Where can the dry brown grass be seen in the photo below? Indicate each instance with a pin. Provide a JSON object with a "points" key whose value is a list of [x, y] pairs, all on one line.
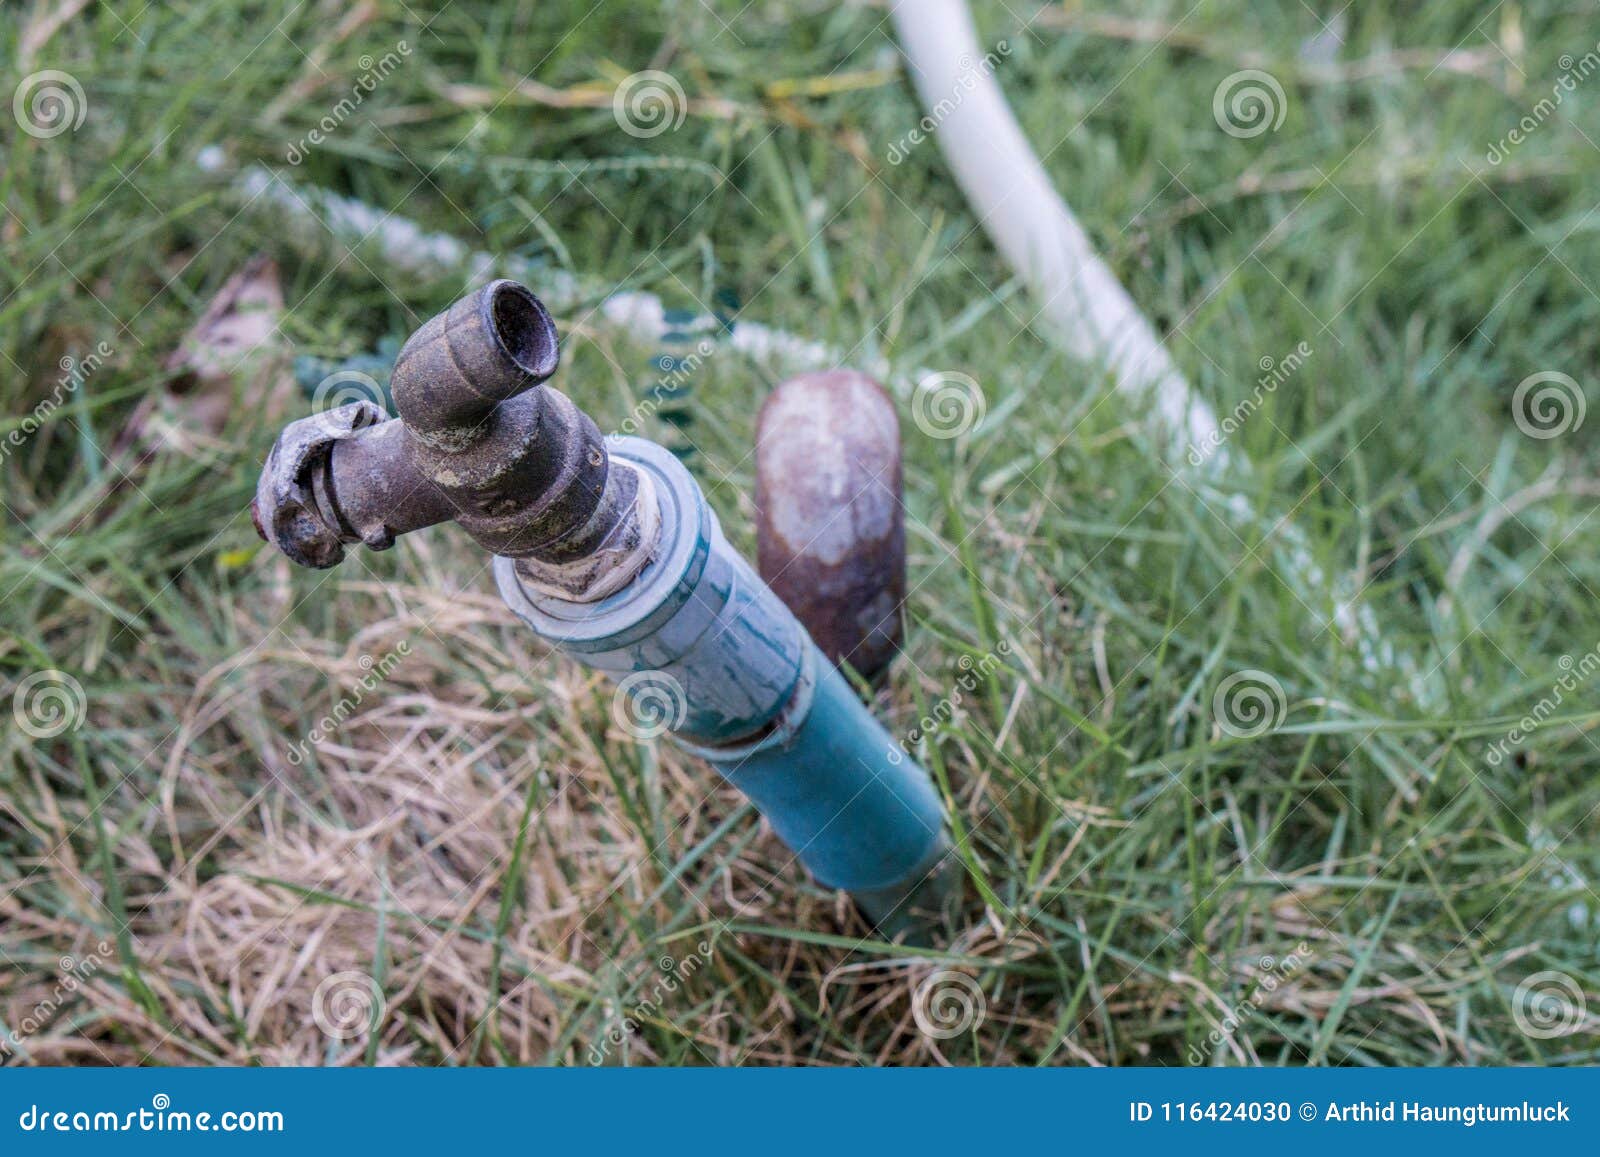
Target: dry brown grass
{"points": [[251, 877]]}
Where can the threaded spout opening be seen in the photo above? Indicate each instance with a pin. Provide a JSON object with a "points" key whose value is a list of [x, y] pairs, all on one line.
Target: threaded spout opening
{"points": [[523, 329]]}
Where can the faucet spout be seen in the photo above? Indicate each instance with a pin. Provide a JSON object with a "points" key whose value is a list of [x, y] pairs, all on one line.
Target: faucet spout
{"points": [[455, 371]]}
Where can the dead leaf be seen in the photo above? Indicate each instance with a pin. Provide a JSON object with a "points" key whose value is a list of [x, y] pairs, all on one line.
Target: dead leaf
{"points": [[233, 340]]}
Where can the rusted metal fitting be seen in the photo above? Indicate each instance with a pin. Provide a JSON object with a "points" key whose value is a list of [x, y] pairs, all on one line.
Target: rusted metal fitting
{"points": [[294, 506], [830, 535], [477, 441], [526, 471], [456, 369]]}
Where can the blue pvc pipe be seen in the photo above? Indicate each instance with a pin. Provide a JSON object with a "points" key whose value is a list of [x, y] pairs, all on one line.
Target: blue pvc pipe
{"points": [[745, 689], [858, 812]]}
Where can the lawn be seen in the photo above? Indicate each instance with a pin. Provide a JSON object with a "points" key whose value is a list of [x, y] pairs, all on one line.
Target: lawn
{"points": [[1209, 812]]}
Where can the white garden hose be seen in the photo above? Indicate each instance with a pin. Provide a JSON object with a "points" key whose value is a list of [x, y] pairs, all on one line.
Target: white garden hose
{"points": [[1089, 314], [1089, 311]]}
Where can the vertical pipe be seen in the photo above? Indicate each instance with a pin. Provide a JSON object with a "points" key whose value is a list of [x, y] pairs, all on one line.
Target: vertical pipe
{"points": [[735, 678]]}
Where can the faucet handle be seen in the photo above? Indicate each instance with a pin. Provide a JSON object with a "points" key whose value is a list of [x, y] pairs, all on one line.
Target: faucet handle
{"points": [[287, 510]]}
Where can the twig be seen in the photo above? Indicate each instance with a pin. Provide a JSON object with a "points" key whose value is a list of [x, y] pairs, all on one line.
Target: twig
{"points": [[1497, 516], [1480, 63], [42, 28]]}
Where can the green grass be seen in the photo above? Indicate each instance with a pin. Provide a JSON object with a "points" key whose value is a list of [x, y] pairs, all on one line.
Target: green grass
{"points": [[506, 865]]}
